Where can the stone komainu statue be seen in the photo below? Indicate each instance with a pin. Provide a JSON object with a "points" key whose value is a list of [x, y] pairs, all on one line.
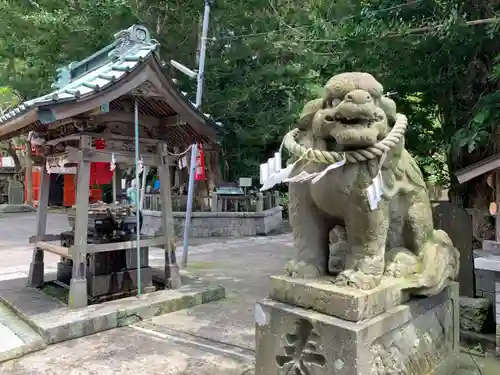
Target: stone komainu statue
{"points": [[366, 213]]}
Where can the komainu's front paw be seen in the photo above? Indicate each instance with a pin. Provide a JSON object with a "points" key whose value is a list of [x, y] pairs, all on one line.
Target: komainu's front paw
{"points": [[401, 262], [357, 279], [301, 269]]}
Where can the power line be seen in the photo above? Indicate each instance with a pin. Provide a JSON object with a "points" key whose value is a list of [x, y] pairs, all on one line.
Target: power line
{"points": [[363, 13], [411, 31]]}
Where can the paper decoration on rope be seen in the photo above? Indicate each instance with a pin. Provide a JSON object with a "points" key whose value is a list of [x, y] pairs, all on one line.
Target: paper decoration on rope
{"points": [[112, 165], [272, 174], [182, 162], [374, 191]]}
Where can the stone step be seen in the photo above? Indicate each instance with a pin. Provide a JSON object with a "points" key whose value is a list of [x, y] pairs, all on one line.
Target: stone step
{"points": [[17, 338]]}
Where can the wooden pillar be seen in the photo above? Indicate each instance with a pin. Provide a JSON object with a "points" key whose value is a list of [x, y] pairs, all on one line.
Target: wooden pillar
{"points": [[215, 202], [176, 171], [260, 202], [115, 189], [36, 267], [118, 178], [29, 174], [172, 274], [78, 284]]}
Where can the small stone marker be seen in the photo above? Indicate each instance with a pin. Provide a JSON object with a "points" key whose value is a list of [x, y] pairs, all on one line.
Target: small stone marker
{"points": [[458, 224], [16, 192]]}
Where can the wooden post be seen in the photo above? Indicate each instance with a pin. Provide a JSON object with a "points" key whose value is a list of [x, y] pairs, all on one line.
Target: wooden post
{"points": [[78, 284], [114, 187], [36, 267], [215, 202], [172, 274], [29, 174], [276, 198], [260, 202], [117, 184], [497, 219]]}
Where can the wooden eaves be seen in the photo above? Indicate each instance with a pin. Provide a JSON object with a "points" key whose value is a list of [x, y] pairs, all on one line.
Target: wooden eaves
{"points": [[477, 169]]}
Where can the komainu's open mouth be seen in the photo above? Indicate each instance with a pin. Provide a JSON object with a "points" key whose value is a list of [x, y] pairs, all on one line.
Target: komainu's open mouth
{"points": [[353, 121]]}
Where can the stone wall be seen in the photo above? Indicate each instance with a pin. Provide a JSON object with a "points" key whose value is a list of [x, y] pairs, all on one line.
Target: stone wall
{"points": [[485, 285], [488, 267], [217, 224], [485, 282], [497, 313]]}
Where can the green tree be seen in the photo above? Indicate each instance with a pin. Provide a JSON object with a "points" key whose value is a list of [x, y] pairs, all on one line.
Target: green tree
{"points": [[439, 65], [8, 100], [266, 58]]}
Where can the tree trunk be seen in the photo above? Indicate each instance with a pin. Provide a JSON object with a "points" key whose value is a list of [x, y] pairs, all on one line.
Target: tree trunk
{"points": [[214, 174], [13, 154]]}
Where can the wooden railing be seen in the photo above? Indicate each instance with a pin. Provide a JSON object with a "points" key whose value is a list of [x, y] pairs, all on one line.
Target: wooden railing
{"points": [[152, 202], [218, 203]]}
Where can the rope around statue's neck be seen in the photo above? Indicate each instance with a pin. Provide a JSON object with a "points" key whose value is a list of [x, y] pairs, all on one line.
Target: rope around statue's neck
{"points": [[356, 156]]}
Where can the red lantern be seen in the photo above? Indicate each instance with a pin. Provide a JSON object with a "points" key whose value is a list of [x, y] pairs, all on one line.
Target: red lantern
{"points": [[99, 172], [199, 174]]}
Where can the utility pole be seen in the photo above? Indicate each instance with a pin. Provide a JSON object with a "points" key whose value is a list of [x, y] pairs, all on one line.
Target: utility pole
{"points": [[199, 75], [203, 52]]}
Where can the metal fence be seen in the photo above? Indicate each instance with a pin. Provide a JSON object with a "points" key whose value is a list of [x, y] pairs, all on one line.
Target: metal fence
{"points": [[218, 203]]}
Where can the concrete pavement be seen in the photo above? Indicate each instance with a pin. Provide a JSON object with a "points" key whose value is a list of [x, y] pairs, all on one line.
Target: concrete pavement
{"points": [[212, 339], [218, 340]]}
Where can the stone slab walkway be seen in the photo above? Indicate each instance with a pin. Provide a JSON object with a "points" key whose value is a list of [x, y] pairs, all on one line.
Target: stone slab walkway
{"points": [[16, 337]]}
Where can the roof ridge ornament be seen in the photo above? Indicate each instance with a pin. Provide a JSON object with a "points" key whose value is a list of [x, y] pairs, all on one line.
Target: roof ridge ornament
{"points": [[63, 77], [128, 39], [132, 39]]}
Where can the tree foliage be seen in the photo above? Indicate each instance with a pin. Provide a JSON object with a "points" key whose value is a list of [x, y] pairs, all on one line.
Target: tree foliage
{"points": [[8, 99], [267, 57]]}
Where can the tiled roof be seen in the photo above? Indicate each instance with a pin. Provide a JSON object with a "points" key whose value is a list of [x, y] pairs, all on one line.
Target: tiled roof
{"points": [[104, 68], [97, 72]]}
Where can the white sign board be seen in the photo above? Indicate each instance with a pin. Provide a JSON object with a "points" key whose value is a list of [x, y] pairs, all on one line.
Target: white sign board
{"points": [[7, 161], [245, 181]]}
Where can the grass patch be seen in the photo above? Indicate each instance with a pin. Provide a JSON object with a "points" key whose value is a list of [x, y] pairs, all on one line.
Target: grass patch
{"points": [[55, 291]]}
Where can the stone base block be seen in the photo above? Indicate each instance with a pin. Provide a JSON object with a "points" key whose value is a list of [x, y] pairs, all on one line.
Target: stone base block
{"points": [[64, 271], [77, 294], [56, 322], [118, 282], [323, 296], [474, 313], [172, 276], [36, 272], [416, 338], [107, 262]]}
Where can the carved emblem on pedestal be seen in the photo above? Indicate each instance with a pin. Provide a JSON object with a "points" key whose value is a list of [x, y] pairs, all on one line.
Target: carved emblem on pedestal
{"points": [[301, 351]]}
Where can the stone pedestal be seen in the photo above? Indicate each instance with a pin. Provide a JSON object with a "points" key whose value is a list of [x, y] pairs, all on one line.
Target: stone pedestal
{"points": [[491, 264], [410, 338]]}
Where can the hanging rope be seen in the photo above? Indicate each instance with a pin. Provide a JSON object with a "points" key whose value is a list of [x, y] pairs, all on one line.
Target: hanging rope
{"points": [[356, 156], [182, 153]]}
